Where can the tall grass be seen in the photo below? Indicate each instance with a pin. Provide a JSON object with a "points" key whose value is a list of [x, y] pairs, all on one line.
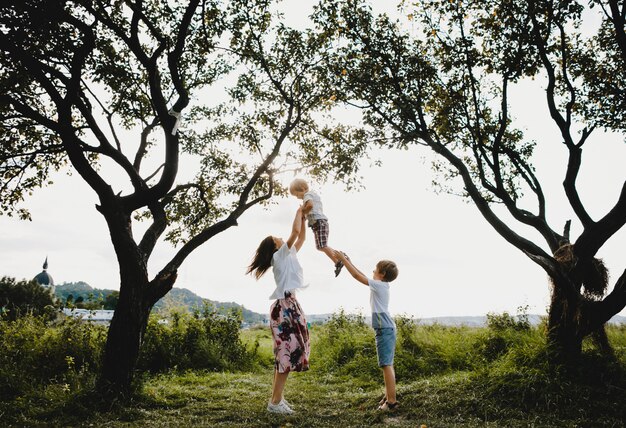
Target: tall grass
{"points": [[205, 340], [36, 354], [346, 345], [497, 374]]}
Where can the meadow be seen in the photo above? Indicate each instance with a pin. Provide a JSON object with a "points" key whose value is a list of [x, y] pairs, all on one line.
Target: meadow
{"points": [[201, 370]]}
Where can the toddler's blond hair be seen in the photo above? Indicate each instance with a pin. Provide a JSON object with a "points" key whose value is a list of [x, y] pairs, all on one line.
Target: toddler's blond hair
{"points": [[298, 185]]}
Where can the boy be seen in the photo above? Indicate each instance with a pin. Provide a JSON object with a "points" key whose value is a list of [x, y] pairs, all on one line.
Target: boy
{"points": [[385, 272], [313, 210]]}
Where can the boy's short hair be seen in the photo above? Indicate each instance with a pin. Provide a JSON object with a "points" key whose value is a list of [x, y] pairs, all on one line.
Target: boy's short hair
{"points": [[298, 185], [387, 269]]}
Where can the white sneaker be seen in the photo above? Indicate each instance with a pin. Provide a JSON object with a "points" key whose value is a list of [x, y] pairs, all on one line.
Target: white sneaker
{"points": [[281, 408], [286, 402]]}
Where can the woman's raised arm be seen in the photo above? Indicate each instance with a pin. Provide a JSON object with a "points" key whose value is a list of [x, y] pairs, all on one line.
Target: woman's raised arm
{"points": [[296, 230]]}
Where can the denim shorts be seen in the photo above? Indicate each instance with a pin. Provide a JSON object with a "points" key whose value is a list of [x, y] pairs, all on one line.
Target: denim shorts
{"points": [[385, 345]]}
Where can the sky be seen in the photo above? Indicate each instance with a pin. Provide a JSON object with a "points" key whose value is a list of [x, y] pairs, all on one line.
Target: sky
{"points": [[451, 262]]}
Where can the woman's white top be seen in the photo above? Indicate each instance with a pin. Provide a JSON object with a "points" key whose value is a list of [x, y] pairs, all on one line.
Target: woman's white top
{"points": [[287, 271]]}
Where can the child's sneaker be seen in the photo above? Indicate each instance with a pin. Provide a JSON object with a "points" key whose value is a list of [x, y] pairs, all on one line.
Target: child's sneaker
{"points": [[281, 408], [338, 267]]}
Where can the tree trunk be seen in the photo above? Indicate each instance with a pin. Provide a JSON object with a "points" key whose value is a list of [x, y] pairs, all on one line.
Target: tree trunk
{"points": [[124, 340], [564, 332], [133, 308]]}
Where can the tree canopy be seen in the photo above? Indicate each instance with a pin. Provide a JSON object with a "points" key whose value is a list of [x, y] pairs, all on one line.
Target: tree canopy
{"points": [[20, 298], [178, 113], [441, 77]]}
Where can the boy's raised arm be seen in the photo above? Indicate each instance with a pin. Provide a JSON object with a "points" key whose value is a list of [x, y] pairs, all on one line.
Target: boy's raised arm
{"points": [[356, 274]]}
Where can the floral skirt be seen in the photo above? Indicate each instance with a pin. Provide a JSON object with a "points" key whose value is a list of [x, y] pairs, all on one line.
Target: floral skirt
{"points": [[291, 335]]}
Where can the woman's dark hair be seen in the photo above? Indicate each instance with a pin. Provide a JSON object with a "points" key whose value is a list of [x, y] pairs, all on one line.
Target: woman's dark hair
{"points": [[263, 258]]}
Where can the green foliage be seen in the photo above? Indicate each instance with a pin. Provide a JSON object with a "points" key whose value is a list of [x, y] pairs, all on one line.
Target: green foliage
{"points": [[85, 296], [181, 299], [454, 386], [35, 354], [345, 345], [205, 339], [505, 321], [448, 75], [21, 298], [505, 332], [444, 378], [426, 350]]}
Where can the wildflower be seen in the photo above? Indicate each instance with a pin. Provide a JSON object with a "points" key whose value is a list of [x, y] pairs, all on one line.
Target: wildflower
{"points": [[69, 360]]}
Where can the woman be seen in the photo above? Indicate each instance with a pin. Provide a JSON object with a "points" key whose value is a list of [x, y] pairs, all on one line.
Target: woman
{"points": [[287, 321]]}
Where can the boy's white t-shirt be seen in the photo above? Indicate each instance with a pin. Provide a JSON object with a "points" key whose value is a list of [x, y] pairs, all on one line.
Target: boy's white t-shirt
{"points": [[317, 212], [287, 271], [379, 301]]}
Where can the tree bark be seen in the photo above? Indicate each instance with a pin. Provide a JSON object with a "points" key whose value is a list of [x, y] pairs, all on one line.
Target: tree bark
{"points": [[133, 308], [572, 317], [124, 341], [564, 338]]}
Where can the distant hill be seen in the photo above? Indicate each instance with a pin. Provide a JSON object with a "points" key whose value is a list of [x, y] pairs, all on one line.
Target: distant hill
{"points": [[470, 321], [188, 300], [177, 298], [80, 288], [481, 321]]}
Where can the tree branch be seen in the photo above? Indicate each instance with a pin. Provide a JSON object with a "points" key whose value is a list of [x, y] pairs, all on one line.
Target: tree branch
{"points": [[618, 20], [575, 153]]}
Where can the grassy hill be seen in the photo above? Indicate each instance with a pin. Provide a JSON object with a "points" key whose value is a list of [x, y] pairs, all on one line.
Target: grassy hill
{"points": [[177, 298]]}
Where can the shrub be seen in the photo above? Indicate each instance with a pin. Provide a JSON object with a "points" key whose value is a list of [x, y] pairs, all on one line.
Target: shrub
{"points": [[504, 331], [20, 298], [505, 321], [345, 345], [424, 350], [204, 339], [34, 353]]}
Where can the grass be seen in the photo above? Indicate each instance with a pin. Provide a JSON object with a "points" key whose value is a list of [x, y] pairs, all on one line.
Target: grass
{"points": [[239, 400], [450, 377]]}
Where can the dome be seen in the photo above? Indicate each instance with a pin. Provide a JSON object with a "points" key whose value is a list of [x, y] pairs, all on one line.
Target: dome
{"points": [[44, 278]]}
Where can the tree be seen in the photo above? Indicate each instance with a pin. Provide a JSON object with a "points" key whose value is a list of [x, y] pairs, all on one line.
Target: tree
{"points": [[110, 301], [19, 298], [102, 85], [447, 88]]}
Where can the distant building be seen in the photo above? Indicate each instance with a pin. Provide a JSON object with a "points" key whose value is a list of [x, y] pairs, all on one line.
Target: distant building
{"points": [[99, 316], [44, 279]]}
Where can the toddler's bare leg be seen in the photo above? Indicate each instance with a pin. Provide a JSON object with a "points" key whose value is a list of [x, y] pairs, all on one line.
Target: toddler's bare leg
{"points": [[330, 253]]}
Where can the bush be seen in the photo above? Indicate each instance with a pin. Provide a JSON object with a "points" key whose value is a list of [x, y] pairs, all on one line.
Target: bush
{"points": [[345, 345], [34, 353], [204, 339], [20, 298], [424, 350], [504, 332]]}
